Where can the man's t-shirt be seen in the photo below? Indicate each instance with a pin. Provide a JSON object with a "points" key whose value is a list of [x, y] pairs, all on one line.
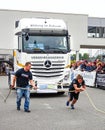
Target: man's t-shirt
{"points": [[75, 81], [23, 77]]}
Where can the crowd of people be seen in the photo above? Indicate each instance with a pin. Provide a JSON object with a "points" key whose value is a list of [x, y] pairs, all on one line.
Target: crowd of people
{"points": [[4, 68], [88, 66]]}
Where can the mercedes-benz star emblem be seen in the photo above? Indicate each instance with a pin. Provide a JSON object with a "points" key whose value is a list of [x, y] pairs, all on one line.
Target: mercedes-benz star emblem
{"points": [[47, 63]]}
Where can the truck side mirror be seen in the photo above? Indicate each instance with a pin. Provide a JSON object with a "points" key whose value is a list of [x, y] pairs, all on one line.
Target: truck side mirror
{"points": [[19, 50]]}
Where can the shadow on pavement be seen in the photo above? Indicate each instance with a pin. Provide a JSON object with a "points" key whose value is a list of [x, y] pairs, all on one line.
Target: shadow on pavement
{"points": [[47, 95]]}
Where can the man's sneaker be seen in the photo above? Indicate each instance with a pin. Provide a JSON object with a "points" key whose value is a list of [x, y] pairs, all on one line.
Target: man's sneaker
{"points": [[67, 103], [27, 111], [72, 106], [18, 108]]}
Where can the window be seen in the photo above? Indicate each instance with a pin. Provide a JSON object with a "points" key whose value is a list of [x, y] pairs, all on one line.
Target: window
{"points": [[96, 32]]}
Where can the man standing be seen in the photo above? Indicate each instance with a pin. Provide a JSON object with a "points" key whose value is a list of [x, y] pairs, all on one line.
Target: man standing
{"points": [[77, 85], [22, 78]]}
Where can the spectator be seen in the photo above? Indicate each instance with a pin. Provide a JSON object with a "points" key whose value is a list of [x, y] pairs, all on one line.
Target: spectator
{"points": [[7, 69], [3, 67], [99, 68], [74, 66], [83, 66], [103, 68], [88, 67], [93, 67]]}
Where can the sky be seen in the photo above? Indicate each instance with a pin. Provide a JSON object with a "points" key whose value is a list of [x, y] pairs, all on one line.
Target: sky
{"points": [[93, 8]]}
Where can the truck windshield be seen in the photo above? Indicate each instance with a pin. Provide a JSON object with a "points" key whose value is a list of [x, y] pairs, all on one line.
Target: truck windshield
{"points": [[45, 44]]}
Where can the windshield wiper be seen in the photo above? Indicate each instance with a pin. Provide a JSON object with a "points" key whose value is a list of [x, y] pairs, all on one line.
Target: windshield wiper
{"points": [[36, 51], [58, 50], [39, 50]]}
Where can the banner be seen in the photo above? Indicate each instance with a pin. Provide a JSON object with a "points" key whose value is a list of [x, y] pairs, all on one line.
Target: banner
{"points": [[100, 80], [89, 77]]}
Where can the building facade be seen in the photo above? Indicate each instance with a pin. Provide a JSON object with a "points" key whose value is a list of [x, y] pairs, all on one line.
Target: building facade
{"points": [[85, 32]]}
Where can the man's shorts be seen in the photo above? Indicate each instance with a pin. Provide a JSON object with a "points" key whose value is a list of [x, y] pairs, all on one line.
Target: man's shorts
{"points": [[74, 95]]}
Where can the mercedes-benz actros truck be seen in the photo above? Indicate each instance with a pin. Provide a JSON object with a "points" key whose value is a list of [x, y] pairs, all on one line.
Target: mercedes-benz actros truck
{"points": [[46, 44]]}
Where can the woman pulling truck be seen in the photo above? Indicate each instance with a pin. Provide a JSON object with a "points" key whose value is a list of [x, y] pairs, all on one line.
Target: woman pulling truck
{"points": [[77, 85]]}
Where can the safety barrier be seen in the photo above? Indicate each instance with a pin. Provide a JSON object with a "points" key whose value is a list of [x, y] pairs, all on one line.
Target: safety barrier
{"points": [[89, 77]]}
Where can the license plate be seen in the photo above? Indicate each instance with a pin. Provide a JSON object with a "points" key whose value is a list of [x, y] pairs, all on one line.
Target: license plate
{"points": [[43, 86], [46, 86]]}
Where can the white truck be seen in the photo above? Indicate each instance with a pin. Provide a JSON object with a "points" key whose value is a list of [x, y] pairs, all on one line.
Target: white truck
{"points": [[44, 43]]}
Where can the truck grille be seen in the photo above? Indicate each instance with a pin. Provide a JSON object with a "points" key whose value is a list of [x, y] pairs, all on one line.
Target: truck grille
{"points": [[47, 68]]}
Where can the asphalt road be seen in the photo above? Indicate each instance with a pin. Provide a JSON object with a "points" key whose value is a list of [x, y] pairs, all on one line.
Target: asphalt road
{"points": [[49, 112]]}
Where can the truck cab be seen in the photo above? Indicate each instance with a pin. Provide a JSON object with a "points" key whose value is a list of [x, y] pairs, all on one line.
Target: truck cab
{"points": [[46, 44]]}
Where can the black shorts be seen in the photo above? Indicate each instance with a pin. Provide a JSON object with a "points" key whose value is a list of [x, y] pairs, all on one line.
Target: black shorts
{"points": [[74, 96]]}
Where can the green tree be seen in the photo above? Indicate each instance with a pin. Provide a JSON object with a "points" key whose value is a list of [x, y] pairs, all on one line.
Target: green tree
{"points": [[99, 57], [80, 56], [86, 56], [74, 56]]}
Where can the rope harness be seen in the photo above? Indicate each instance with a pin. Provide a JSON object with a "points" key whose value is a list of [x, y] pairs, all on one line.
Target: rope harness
{"points": [[62, 90], [7, 95], [2, 95], [92, 103]]}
